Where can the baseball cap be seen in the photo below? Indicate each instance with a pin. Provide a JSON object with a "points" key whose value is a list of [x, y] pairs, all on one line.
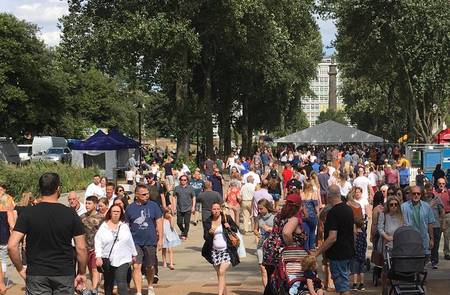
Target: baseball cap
{"points": [[294, 198]]}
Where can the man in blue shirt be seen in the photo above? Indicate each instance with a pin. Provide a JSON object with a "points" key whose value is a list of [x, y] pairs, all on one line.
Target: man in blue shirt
{"points": [[419, 215], [197, 184], [146, 225]]}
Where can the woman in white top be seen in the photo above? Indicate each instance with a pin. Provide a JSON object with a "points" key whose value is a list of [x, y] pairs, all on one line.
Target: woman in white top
{"points": [[114, 241], [218, 249], [344, 185]]}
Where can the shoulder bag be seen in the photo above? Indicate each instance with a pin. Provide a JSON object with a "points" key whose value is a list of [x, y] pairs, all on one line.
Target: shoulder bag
{"points": [[106, 266], [232, 236]]}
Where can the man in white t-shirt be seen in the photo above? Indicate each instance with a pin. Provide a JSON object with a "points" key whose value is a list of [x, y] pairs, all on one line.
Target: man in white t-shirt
{"points": [[256, 178], [364, 183], [74, 203], [94, 189], [247, 192]]}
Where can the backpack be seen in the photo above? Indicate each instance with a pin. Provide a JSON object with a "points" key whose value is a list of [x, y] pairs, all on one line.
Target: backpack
{"points": [[274, 243]]}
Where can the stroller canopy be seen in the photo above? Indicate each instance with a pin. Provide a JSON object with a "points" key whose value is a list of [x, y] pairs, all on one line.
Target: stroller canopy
{"points": [[407, 242]]}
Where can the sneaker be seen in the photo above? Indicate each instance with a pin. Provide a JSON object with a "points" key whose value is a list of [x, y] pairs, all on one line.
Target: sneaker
{"points": [[155, 279], [151, 291], [355, 287], [434, 266], [447, 257], [361, 287]]}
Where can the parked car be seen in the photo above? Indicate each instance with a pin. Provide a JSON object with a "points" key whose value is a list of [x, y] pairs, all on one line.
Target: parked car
{"points": [[58, 154], [41, 144], [25, 152], [8, 151]]}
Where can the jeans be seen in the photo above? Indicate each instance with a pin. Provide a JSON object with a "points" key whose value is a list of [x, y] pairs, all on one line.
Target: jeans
{"points": [[183, 221], [435, 250], [310, 226], [56, 285], [340, 273], [119, 274]]}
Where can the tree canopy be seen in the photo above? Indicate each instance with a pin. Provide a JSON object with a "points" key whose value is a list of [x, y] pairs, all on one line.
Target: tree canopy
{"points": [[393, 56], [238, 64]]}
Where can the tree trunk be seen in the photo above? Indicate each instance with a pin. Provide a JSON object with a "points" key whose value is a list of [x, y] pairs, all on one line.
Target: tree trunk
{"points": [[181, 97], [208, 114], [227, 132], [244, 126]]}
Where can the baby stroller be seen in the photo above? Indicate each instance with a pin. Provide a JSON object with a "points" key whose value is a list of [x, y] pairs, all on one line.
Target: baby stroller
{"points": [[406, 263], [288, 270]]}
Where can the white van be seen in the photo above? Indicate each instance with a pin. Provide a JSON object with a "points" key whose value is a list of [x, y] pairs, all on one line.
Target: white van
{"points": [[25, 151], [42, 143]]}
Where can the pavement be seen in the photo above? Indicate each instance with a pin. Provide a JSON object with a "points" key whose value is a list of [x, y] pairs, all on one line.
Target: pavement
{"points": [[194, 276]]}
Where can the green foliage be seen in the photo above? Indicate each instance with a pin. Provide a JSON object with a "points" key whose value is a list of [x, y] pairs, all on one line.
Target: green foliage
{"points": [[185, 160], [256, 56], [21, 179], [336, 116], [394, 59], [43, 94]]}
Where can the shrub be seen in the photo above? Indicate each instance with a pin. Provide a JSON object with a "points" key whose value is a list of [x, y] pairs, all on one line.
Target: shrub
{"points": [[20, 179]]}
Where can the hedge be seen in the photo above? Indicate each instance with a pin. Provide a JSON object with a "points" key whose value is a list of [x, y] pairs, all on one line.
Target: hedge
{"points": [[19, 179]]}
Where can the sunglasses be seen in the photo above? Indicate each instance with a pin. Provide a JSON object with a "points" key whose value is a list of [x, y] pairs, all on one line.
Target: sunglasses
{"points": [[441, 183], [393, 205], [416, 194], [183, 179]]}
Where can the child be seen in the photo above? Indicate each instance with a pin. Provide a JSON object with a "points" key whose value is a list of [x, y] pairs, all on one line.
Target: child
{"points": [[358, 262], [171, 238], [313, 285]]}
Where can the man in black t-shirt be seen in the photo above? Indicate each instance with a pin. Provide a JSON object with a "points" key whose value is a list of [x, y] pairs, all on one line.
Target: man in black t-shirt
{"points": [[338, 246], [50, 228]]}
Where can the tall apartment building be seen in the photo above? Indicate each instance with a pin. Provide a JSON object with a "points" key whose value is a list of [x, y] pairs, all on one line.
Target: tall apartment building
{"points": [[313, 105]]}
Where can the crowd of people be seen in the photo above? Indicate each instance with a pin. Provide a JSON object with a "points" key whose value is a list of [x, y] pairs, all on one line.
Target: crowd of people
{"points": [[329, 201]]}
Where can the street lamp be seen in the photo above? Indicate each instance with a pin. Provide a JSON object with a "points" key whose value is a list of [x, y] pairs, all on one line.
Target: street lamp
{"points": [[139, 108]]}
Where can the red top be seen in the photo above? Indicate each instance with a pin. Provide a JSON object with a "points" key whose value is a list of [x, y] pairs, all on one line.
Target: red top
{"points": [[445, 198], [287, 175]]}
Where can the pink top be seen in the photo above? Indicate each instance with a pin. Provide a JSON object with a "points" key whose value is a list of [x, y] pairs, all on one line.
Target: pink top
{"points": [[232, 196]]}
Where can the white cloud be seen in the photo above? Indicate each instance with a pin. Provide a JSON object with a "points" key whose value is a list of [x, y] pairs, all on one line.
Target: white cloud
{"points": [[42, 12], [50, 38]]}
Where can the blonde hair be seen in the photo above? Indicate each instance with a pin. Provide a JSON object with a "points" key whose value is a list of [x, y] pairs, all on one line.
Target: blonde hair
{"points": [[308, 190], [309, 263], [27, 199]]}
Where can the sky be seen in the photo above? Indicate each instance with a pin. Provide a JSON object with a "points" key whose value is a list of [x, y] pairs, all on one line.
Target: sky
{"points": [[45, 14]]}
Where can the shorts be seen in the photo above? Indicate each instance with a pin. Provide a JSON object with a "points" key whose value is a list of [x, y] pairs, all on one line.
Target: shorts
{"points": [[276, 197], [146, 255], [170, 180], [340, 273], [91, 261], [357, 266]]}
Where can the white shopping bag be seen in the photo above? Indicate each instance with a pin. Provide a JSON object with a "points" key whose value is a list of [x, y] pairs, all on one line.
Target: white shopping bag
{"points": [[241, 248]]}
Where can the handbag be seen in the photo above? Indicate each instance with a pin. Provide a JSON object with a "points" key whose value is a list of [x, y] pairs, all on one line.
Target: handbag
{"points": [[232, 236], [106, 265]]}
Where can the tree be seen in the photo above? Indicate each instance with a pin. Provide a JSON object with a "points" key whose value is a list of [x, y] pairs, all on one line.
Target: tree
{"points": [[337, 116], [26, 92], [398, 50]]}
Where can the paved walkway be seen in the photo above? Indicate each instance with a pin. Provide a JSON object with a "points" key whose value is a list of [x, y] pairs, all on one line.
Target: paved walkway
{"points": [[194, 276]]}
